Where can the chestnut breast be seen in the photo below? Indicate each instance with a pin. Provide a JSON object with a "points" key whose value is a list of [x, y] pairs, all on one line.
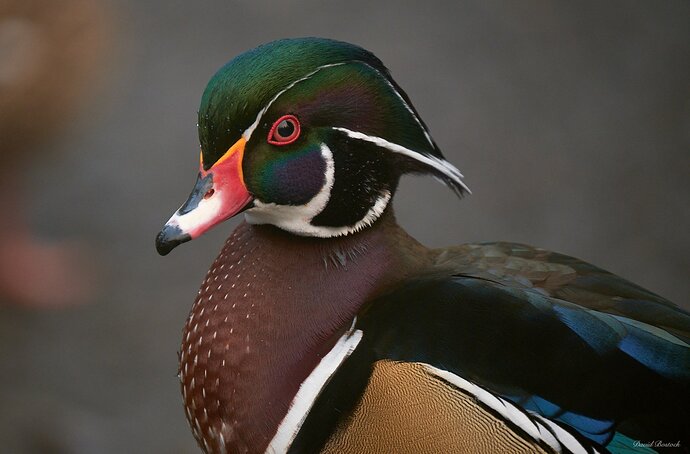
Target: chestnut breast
{"points": [[271, 306]]}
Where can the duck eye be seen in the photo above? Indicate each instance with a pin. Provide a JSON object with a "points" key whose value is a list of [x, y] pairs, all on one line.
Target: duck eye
{"points": [[285, 130]]}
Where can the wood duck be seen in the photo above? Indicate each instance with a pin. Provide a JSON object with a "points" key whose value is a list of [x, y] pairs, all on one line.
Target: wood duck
{"points": [[323, 326]]}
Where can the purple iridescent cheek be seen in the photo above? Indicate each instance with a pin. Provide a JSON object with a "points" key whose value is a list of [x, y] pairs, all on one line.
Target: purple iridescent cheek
{"points": [[291, 179]]}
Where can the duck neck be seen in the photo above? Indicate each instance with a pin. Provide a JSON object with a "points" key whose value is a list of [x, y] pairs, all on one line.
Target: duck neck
{"points": [[271, 306]]}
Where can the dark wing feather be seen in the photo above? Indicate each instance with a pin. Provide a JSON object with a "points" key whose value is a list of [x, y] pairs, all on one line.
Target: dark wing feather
{"points": [[555, 335], [566, 278], [552, 333]]}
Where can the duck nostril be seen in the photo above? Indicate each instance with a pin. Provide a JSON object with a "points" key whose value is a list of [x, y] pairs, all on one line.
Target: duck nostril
{"points": [[209, 193]]}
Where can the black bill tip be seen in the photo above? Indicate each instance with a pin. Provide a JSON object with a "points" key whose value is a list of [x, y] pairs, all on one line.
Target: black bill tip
{"points": [[169, 238]]}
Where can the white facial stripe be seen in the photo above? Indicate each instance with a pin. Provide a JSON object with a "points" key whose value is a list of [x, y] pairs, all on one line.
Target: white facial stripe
{"points": [[247, 134], [204, 212], [250, 130], [293, 218], [536, 426], [407, 106], [297, 219], [441, 165], [310, 389]]}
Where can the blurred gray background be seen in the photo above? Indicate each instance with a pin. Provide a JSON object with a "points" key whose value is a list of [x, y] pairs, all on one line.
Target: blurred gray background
{"points": [[570, 121]]}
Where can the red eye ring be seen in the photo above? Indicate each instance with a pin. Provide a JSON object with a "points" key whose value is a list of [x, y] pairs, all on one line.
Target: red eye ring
{"points": [[285, 130]]}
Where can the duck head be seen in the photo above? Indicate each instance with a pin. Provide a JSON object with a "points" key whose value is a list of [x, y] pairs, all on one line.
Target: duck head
{"points": [[310, 135]]}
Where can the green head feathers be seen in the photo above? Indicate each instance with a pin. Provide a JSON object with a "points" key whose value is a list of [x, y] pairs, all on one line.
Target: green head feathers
{"points": [[355, 133], [310, 135], [239, 90]]}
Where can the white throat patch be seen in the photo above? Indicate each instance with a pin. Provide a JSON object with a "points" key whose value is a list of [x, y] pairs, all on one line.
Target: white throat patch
{"points": [[297, 218]]}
